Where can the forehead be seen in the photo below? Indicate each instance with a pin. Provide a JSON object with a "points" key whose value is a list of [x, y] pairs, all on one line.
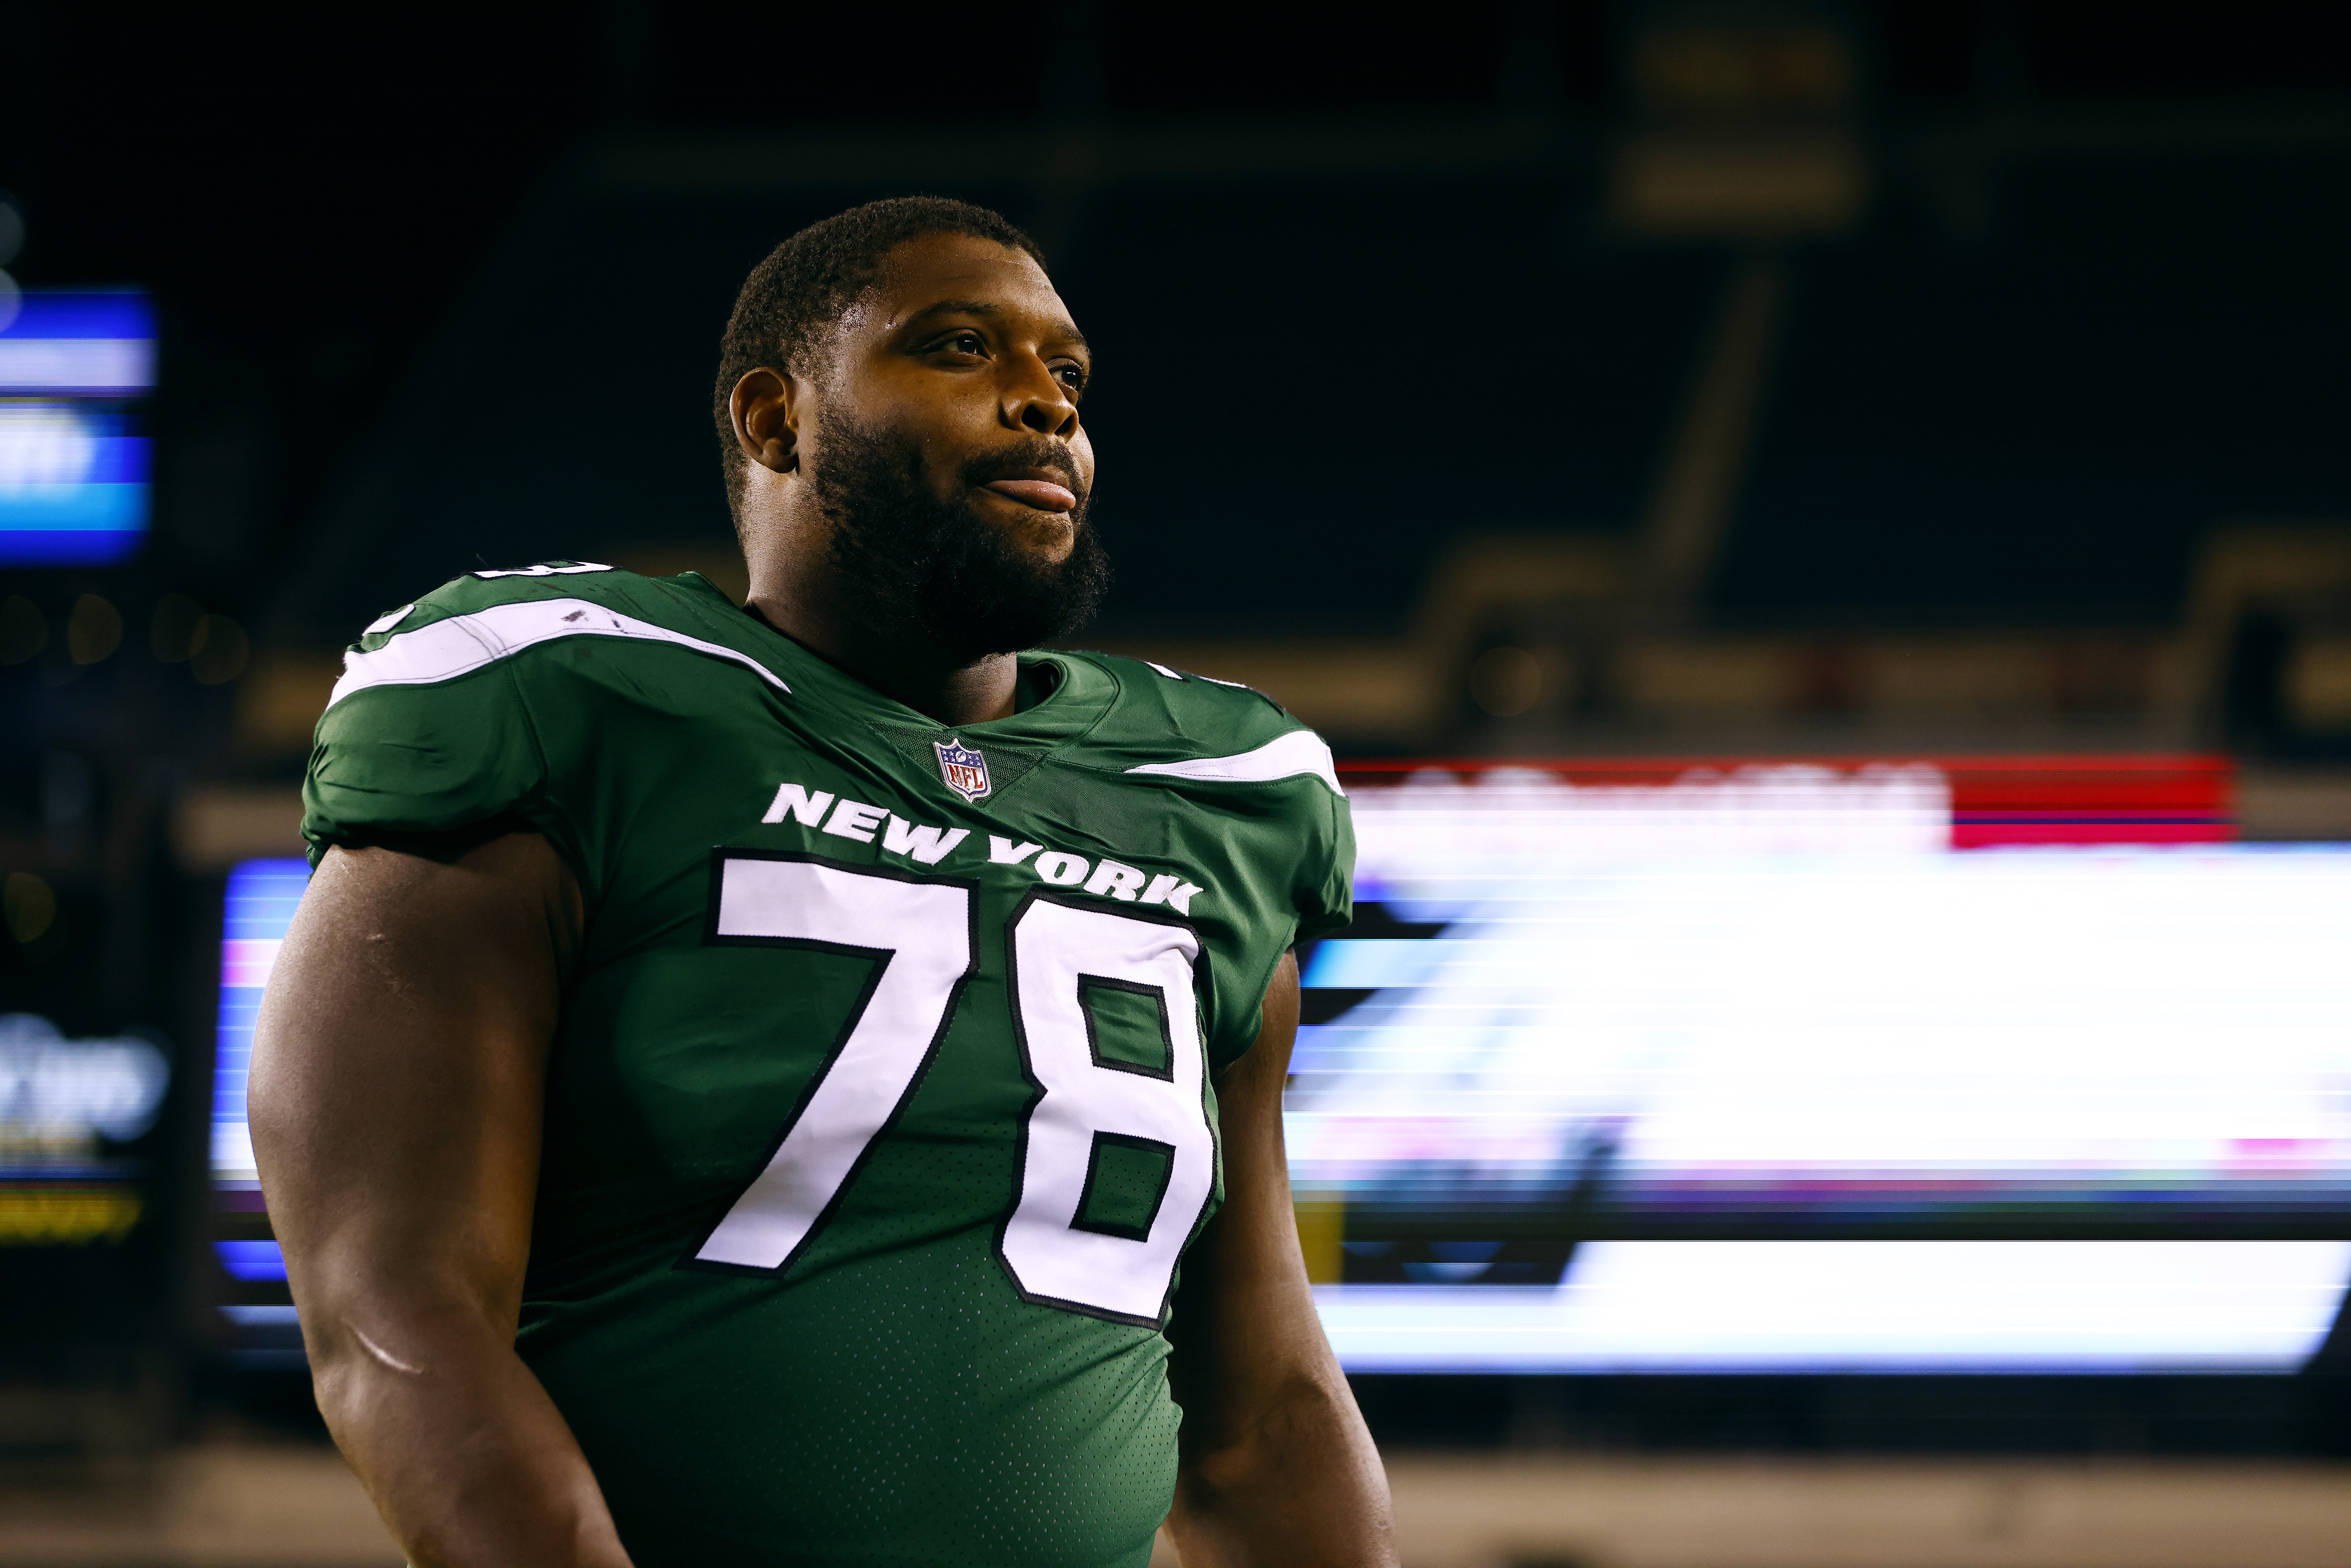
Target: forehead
{"points": [[923, 272]]}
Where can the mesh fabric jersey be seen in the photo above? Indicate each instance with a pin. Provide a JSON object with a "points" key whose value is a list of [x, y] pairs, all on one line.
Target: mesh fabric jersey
{"points": [[880, 1105]]}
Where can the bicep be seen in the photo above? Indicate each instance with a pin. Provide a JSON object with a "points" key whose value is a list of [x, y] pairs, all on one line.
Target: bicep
{"points": [[1245, 1323], [1248, 1114], [399, 1066]]}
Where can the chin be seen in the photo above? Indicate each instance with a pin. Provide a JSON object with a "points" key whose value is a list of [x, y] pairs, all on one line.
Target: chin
{"points": [[1047, 541]]}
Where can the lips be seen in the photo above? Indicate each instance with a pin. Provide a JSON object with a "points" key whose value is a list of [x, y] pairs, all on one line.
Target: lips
{"points": [[1041, 494]]}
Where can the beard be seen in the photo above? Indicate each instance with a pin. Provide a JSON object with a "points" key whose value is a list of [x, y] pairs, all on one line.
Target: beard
{"points": [[945, 569]]}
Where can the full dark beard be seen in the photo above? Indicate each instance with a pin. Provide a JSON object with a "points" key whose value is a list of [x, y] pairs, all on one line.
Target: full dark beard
{"points": [[944, 568]]}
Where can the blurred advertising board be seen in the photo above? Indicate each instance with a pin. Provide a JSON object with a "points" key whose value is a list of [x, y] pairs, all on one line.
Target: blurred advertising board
{"points": [[73, 462], [258, 906], [1981, 1064], [70, 1110]]}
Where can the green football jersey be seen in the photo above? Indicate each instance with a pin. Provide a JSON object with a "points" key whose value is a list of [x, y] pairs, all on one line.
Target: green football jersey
{"points": [[879, 1110]]}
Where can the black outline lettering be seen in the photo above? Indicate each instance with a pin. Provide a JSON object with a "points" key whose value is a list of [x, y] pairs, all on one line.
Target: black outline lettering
{"points": [[1093, 1165], [1167, 1033], [1203, 995], [720, 856]]}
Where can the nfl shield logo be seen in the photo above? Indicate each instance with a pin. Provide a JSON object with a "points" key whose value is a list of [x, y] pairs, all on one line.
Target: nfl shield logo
{"points": [[965, 770]]}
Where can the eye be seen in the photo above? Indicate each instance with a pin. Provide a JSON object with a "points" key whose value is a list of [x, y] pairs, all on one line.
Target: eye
{"points": [[967, 343], [1070, 375]]}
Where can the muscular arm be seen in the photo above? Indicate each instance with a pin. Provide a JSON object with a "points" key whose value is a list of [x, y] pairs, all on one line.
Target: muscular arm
{"points": [[395, 1100], [1277, 1465]]}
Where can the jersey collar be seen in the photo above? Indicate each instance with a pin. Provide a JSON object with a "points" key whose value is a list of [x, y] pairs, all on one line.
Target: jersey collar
{"points": [[1082, 695]]}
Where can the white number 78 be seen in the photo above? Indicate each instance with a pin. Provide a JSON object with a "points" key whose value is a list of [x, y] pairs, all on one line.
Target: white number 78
{"points": [[920, 934]]}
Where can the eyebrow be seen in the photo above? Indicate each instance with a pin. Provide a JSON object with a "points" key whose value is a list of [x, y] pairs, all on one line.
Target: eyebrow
{"points": [[1065, 329]]}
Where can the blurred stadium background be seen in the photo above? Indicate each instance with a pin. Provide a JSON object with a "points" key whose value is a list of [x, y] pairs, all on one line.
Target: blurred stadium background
{"points": [[1821, 531]]}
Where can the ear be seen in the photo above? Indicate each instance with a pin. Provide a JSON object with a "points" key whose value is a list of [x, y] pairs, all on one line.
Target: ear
{"points": [[767, 406]]}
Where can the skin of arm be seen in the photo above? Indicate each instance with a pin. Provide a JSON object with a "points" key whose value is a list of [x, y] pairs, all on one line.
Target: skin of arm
{"points": [[398, 1071], [1277, 1467]]}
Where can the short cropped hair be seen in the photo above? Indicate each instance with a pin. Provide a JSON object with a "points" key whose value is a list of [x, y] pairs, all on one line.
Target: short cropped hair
{"points": [[809, 281]]}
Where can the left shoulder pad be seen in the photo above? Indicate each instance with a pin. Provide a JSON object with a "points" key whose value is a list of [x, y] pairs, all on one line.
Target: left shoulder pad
{"points": [[1291, 755], [1172, 724]]}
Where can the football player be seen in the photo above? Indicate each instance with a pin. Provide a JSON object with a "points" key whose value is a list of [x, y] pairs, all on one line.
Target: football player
{"points": [[801, 1083]]}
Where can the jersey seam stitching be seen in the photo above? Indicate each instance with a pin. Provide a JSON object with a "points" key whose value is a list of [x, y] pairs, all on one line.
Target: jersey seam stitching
{"points": [[1117, 694], [544, 794], [696, 609]]}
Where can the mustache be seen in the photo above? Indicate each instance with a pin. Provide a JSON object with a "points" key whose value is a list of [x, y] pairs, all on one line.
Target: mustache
{"points": [[1025, 459]]}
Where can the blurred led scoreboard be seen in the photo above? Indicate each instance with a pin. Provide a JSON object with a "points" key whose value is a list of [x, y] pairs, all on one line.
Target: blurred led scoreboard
{"points": [[1983, 1064]]}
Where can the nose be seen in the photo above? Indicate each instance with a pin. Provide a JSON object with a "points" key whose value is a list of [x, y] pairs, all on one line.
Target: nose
{"points": [[1035, 400]]}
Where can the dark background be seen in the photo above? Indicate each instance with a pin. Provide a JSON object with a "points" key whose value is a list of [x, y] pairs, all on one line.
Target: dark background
{"points": [[2053, 400], [442, 285]]}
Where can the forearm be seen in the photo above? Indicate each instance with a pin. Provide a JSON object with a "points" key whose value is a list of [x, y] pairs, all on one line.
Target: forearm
{"points": [[468, 1460]]}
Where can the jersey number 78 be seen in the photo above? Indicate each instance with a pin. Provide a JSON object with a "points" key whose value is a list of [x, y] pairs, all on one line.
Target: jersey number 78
{"points": [[1097, 1120]]}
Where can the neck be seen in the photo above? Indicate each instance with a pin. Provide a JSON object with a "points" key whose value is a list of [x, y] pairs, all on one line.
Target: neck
{"points": [[901, 661]]}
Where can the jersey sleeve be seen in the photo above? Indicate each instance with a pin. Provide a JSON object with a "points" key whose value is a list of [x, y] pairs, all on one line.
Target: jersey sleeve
{"points": [[395, 762], [427, 761], [1326, 886]]}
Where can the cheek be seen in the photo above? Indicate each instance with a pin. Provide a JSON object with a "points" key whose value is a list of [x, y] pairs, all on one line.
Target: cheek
{"points": [[937, 433], [938, 451]]}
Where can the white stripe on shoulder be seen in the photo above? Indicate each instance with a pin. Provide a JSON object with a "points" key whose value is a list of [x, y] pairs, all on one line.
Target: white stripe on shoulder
{"points": [[447, 648], [1284, 757]]}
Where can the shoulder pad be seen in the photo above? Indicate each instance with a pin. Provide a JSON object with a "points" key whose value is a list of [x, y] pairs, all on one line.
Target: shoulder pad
{"points": [[1175, 723], [474, 621]]}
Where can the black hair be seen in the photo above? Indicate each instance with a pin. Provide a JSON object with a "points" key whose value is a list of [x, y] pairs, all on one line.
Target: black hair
{"points": [[806, 282]]}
